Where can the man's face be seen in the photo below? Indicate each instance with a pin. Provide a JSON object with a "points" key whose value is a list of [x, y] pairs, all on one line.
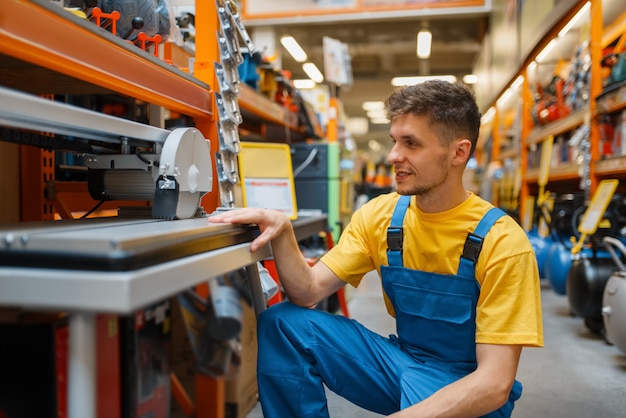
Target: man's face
{"points": [[420, 161]]}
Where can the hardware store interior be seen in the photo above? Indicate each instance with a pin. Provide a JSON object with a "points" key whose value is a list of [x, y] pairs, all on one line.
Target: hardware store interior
{"points": [[126, 123]]}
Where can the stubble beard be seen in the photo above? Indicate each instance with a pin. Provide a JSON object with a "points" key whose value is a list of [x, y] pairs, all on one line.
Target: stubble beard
{"points": [[430, 189]]}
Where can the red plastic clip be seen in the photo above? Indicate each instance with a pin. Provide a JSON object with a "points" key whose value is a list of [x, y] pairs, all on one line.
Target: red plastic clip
{"points": [[144, 41], [105, 20]]}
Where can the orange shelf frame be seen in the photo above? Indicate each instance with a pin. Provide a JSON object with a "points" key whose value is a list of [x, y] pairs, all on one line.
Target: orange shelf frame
{"points": [[43, 34]]}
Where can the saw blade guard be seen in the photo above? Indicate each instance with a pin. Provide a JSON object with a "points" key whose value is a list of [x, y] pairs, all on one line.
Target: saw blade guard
{"points": [[185, 160]]}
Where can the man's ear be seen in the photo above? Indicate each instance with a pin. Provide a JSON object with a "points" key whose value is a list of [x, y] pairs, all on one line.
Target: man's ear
{"points": [[462, 148]]}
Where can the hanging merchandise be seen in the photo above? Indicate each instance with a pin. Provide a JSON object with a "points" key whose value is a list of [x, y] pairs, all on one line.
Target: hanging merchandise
{"points": [[576, 88], [614, 296], [550, 104], [615, 62], [229, 83]]}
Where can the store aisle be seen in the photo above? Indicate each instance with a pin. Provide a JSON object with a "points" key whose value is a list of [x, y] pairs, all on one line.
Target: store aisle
{"points": [[576, 374]]}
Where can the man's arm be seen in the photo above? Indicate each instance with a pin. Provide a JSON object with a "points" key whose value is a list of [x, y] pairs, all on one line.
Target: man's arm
{"points": [[480, 392], [303, 284]]}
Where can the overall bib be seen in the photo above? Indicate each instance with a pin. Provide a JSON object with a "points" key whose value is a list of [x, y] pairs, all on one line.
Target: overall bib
{"points": [[436, 313], [302, 350]]}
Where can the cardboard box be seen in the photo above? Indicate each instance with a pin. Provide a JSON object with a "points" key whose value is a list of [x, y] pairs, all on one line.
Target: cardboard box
{"points": [[242, 389]]}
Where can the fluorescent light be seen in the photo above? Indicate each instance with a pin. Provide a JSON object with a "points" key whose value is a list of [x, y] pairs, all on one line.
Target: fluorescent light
{"points": [[532, 66], [546, 50], [379, 121], [517, 83], [424, 39], [373, 105], [508, 93], [293, 47], [470, 79], [376, 113], [357, 126], [374, 145], [304, 84], [489, 114], [583, 10], [312, 71], [406, 81]]}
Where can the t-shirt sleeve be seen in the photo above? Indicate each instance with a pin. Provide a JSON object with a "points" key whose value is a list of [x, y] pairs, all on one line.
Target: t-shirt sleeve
{"points": [[351, 258], [509, 307]]}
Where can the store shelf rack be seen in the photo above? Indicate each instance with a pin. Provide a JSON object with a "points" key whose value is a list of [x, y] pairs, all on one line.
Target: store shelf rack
{"points": [[42, 34]]}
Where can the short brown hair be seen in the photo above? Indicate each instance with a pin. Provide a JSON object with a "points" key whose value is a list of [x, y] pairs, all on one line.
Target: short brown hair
{"points": [[451, 107]]}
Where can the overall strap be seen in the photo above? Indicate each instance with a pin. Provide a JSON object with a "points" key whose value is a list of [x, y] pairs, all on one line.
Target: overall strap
{"points": [[394, 232], [474, 242]]}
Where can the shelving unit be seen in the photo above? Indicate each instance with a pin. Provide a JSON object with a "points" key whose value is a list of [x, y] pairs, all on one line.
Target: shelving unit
{"points": [[600, 27], [46, 51]]}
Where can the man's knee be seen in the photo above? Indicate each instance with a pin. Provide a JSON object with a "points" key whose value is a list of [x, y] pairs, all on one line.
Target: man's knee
{"points": [[277, 316]]}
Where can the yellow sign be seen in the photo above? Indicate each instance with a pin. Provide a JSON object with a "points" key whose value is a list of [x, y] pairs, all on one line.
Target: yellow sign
{"points": [[597, 207], [267, 177]]}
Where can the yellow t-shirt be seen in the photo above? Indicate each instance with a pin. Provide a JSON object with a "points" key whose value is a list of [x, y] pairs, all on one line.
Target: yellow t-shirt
{"points": [[509, 305]]}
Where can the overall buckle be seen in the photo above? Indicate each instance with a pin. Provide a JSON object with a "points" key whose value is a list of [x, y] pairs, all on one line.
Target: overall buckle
{"points": [[394, 239], [472, 247]]}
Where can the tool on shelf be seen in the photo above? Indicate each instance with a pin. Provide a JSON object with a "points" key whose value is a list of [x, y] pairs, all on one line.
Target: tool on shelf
{"points": [[229, 85], [125, 160], [615, 62]]}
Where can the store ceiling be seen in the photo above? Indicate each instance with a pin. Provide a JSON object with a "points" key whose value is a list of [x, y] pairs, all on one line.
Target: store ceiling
{"points": [[382, 50]]}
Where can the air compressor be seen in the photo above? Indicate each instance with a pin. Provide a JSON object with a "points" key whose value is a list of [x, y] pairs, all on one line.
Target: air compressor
{"points": [[614, 297], [586, 280], [590, 271], [558, 258]]}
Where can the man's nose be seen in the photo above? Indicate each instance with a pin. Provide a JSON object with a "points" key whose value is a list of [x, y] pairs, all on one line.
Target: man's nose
{"points": [[395, 154]]}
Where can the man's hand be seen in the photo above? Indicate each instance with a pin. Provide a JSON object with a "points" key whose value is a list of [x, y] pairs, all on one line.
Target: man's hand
{"points": [[271, 223]]}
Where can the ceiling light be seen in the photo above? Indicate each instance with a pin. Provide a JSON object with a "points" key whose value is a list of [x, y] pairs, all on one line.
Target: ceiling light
{"points": [[374, 145], [304, 84], [407, 81], [517, 83], [470, 79], [489, 114], [293, 47], [357, 126], [376, 113], [424, 39], [574, 20], [313, 72], [373, 105], [379, 121], [544, 53]]}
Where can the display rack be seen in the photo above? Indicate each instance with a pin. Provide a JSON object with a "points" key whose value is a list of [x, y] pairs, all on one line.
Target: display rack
{"points": [[600, 26], [47, 51], [94, 273]]}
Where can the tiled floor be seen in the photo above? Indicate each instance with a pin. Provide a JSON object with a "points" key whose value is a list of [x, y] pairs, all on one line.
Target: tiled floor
{"points": [[576, 374]]}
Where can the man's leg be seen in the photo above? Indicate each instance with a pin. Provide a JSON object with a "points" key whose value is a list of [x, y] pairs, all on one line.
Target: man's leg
{"points": [[421, 380], [300, 348]]}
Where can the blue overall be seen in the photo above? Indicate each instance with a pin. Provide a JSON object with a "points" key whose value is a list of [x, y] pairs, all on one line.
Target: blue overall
{"points": [[301, 350]]}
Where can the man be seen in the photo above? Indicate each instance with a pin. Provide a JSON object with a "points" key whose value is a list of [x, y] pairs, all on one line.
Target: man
{"points": [[460, 279]]}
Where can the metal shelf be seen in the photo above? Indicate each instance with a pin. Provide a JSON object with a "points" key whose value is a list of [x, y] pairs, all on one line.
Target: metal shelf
{"points": [[564, 172], [46, 36], [84, 292], [557, 127]]}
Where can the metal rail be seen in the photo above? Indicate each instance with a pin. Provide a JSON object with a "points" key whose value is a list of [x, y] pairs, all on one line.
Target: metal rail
{"points": [[26, 111]]}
